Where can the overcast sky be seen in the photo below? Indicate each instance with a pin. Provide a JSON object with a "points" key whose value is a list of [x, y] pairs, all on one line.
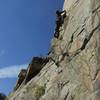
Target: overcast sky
{"points": [[26, 28]]}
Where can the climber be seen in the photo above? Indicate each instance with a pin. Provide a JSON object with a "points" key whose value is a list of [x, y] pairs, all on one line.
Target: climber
{"points": [[56, 34], [61, 15]]}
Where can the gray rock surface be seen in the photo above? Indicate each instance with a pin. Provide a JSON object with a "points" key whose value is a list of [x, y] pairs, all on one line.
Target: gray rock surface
{"points": [[73, 73]]}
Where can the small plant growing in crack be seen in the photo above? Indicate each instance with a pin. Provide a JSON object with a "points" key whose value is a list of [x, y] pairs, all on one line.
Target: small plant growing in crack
{"points": [[39, 91]]}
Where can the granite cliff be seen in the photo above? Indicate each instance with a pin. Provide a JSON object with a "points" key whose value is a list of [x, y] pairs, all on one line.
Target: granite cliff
{"points": [[71, 71]]}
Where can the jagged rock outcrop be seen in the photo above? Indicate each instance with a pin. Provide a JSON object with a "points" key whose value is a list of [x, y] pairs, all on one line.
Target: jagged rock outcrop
{"points": [[21, 78], [33, 69], [73, 71]]}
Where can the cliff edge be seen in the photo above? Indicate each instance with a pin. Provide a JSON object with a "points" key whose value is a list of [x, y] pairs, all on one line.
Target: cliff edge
{"points": [[71, 71]]}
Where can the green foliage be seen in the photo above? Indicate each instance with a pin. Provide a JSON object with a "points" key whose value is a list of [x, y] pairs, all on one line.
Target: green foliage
{"points": [[36, 90], [2, 96], [39, 91]]}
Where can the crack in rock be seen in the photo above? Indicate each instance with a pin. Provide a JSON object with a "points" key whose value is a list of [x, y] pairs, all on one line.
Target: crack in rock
{"points": [[96, 74], [96, 9], [86, 40]]}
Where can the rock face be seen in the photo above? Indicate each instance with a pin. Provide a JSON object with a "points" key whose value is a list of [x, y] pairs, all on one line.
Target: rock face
{"points": [[33, 69], [73, 72], [21, 78]]}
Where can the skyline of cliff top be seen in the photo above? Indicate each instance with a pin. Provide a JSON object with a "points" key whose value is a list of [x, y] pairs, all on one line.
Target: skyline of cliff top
{"points": [[26, 29]]}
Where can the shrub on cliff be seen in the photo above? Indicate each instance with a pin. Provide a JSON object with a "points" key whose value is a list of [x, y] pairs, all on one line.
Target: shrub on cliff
{"points": [[2, 96]]}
